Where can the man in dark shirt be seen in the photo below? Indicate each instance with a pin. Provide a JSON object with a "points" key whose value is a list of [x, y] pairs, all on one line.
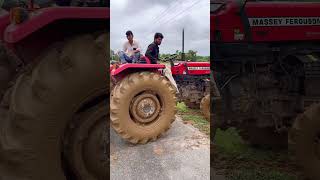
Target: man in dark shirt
{"points": [[152, 52], [8, 4]]}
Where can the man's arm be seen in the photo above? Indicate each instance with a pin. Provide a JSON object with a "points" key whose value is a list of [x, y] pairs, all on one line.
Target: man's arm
{"points": [[149, 54], [124, 48]]}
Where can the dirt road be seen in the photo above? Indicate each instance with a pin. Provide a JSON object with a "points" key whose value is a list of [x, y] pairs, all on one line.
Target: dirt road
{"points": [[182, 153]]}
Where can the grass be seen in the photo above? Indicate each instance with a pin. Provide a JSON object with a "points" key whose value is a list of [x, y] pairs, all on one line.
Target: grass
{"points": [[236, 159], [259, 174], [230, 143], [182, 108], [242, 162], [194, 117]]}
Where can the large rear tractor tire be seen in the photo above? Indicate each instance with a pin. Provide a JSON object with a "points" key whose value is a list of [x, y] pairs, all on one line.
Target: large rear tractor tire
{"points": [[264, 137], [44, 102], [143, 106], [216, 112], [205, 107], [191, 104], [304, 138]]}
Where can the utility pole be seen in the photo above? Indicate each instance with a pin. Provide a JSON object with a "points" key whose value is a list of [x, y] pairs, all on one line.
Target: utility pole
{"points": [[182, 55]]}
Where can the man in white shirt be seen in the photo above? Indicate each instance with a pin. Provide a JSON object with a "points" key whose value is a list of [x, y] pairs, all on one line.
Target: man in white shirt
{"points": [[131, 50]]}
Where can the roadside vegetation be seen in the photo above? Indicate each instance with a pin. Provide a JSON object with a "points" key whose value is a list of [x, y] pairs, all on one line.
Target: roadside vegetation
{"points": [[189, 56], [193, 117]]}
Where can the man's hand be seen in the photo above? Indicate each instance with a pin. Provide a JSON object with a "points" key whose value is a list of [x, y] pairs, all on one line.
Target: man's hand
{"points": [[136, 51]]}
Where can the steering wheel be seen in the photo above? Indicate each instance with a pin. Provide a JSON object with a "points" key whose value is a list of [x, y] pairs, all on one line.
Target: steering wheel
{"points": [[89, 3], [171, 58], [8, 4]]}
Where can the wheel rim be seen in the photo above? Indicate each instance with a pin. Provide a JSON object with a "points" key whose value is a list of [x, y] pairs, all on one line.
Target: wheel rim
{"points": [[145, 108], [95, 149], [88, 152]]}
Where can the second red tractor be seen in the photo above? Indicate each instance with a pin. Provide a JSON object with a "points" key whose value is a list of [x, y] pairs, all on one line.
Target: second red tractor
{"points": [[266, 57]]}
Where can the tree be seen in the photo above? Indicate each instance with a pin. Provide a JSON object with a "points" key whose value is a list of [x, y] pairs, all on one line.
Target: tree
{"points": [[191, 55]]}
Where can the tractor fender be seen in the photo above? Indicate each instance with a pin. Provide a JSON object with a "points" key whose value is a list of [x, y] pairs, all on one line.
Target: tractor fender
{"points": [[42, 17], [123, 70], [130, 66]]}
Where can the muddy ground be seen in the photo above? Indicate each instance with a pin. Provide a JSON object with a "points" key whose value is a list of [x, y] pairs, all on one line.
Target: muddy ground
{"points": [[235, 159]]}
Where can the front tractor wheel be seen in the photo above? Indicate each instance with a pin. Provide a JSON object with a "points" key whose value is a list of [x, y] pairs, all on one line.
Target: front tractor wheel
{"points": [[305, 140], [143, 106]]}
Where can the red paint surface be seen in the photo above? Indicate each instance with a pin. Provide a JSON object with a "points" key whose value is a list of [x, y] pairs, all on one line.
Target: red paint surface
{"points": [[42, 17], [227, 20]]}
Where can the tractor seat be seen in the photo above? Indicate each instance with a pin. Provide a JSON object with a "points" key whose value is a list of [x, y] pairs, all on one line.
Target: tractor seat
{"points": [[144, 60]]}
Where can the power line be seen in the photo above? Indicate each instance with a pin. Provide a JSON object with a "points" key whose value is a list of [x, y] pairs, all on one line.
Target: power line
{"points": [[171, 19], [181, 12], [178, 19], [161, 15]]}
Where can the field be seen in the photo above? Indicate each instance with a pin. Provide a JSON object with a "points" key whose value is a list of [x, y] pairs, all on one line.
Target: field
{"points": [[236, 160]]}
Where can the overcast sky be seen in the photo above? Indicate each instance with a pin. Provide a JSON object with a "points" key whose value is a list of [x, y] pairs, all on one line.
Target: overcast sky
{"points": [[145, 17]]}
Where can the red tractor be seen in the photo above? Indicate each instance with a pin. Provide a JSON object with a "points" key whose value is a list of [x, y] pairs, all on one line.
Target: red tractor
{"points": [[266, 61], [193, 82], [54, 105], [193, 79], [143, 98]]}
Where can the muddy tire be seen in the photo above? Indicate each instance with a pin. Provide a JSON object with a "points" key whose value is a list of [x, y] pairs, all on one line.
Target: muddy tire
{"points": [[8, 64], [142, 107], [191, 105], [205, 107], [85, 144], [304, 139], [264, 137], [216, 112], [44, 101]]}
